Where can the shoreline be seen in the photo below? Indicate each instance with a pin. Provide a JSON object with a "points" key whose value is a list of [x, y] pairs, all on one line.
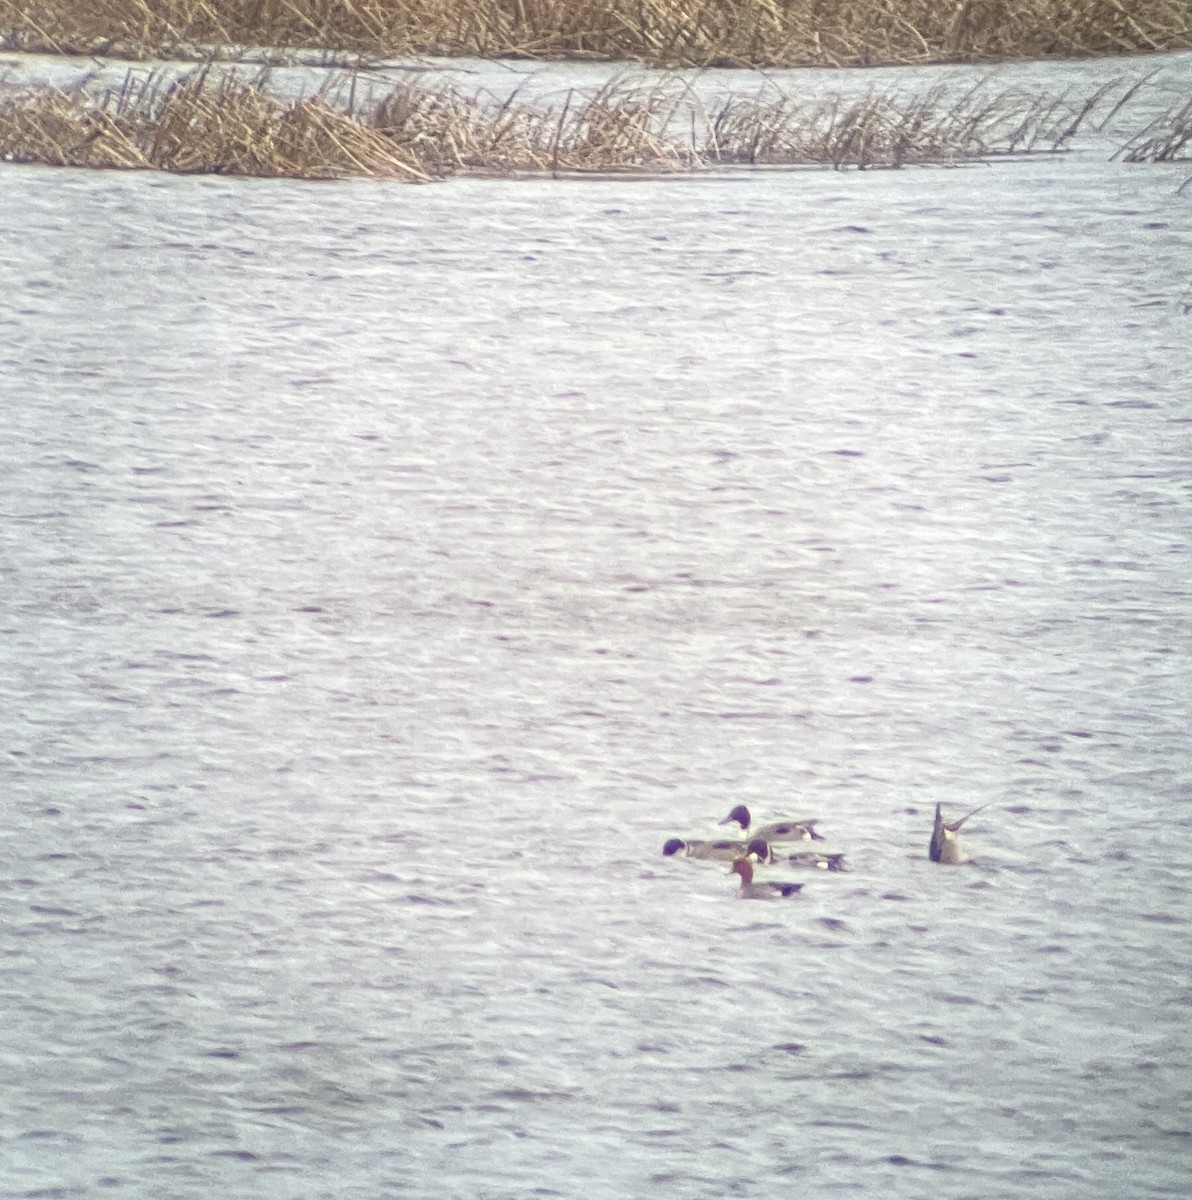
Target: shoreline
{"points": [[684, 33]]}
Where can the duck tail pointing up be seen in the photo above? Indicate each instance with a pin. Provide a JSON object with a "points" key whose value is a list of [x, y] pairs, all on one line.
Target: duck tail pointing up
{"points": [[935, 850], [957, 824]]}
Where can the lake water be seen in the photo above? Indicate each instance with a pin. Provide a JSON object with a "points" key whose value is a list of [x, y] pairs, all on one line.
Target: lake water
{"points": [[387, 571]]}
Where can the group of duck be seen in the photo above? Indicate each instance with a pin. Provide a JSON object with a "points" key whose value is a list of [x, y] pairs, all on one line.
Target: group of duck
{"points": [[754, 848]]}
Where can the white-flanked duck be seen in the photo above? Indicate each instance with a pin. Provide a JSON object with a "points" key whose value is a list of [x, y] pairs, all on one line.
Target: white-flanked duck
{"points": [[776, 831], [815, 860], [770, 889], [945, 845], [724, 850]]}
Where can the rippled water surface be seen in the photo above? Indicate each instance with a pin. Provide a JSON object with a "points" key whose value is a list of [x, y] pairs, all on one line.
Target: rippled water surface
{"points": [[387, 571]]}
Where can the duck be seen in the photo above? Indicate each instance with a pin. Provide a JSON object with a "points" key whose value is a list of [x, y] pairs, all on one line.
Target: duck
{"points": [[777, 831], [813, 859], [724, 850], [945, 846], [763, 889]]}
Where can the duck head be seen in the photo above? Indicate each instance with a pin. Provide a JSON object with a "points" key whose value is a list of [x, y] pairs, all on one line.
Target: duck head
{"points": [[759, 848], [740, 814], [744, 868]]}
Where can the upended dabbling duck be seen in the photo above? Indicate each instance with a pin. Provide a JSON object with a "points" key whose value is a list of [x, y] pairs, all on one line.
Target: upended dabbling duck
{"points": [[776, 831], [945, 845]]}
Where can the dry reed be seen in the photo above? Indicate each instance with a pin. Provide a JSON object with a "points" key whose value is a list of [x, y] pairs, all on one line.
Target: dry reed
{"points": [[888, 130], [618, 128], [216, 121], [197, 125], [1168, 138], [688, 32]]}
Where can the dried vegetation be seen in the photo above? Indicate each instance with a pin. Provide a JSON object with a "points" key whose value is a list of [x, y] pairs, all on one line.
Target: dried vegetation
{"points": [[216, 121], [1166, 139], [942, 125], [689, 32], [196, 125], [204, 123]]}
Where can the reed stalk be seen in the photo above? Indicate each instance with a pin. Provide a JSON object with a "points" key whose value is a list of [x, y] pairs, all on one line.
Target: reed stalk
{"points": [[1166, 139]]}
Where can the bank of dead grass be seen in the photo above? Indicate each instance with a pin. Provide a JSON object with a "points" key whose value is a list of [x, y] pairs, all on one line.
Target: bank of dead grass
{"points": [[688, 32], [215, 121]]}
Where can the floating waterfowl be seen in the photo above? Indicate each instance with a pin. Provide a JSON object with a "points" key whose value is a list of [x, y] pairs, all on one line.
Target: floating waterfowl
{"points": [[760, 849], [722, 851], [762, 890], [945, 846], [777, 831]]}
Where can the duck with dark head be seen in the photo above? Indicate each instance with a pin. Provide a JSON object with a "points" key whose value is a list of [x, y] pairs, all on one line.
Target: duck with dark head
{"points": [[725, 849], [776, 831], [760, 849], [766, 889]]}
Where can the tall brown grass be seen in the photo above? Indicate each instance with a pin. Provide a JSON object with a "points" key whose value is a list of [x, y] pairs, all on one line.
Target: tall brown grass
{"points": [[941, 125], [216, 121], [689, 32], [196, 125]]}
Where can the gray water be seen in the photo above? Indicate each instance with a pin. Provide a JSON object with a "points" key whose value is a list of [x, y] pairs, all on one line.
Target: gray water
{"points": [[388, 571]]}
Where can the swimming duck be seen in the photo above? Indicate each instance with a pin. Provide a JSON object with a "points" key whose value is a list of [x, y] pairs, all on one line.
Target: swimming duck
{"points": [[762, 890], [760, 849], [723, 851], [778, 831], [945, 846]]}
